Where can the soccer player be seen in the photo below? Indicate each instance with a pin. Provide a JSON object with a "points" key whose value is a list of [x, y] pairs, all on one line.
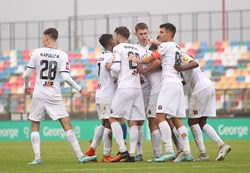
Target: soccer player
{"points": [[151, 84], [201, 106], [51, 64], [104, 95], [170, 102], [128, 100]]}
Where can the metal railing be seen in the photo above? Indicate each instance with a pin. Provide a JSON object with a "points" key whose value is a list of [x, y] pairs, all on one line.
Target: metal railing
{"points": [[85, 30], [229, 102]]}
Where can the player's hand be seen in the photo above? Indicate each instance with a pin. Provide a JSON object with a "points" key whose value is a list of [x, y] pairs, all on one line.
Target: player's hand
{"points": [[86, 94], [140, 69], [155, 42], [108, 65], [133, 58], [178, 67], [27, 91]]}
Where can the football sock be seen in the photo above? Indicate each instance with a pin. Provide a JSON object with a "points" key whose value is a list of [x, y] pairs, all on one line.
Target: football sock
{"points": [[183, 139], [211, 133], [166, 136], [107, 141], [97, 137], [156, 142], [175, 137], [118, 134], [133, 140], [70, 134], [35, 141], [197, 133], [140, 139]]}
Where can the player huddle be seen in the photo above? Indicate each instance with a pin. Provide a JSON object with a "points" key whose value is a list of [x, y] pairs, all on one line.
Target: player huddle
{"points": [[145, 81]]}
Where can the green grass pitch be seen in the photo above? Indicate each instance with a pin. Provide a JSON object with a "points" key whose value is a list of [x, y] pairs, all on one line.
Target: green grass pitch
{"points": [[58, 156]]}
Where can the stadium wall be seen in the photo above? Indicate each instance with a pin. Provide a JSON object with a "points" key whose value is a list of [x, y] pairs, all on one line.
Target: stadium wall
{"points": [[227, 128]]}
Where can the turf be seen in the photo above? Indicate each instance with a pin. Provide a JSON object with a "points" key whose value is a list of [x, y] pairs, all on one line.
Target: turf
{"points": [[59, 157]]}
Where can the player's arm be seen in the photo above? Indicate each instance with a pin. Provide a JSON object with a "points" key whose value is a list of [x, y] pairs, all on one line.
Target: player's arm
{"points": [[192, 64], [153, 66], [67, 78], [149, 58], [27, 75]]}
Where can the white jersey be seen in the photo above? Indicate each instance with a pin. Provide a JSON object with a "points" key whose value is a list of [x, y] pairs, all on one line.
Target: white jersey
{"points": [[48, 63], [195, 78], [170, 52], [128, 75], [106, 87], [153, 77]]}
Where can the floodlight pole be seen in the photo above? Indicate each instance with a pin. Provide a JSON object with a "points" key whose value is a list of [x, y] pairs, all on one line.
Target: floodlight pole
{"points": [[75, 25], [223, 21]]}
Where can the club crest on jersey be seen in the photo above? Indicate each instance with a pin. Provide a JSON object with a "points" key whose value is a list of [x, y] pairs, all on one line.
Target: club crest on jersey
{"points": [[67, 65], [195, 112], [160, 107], [149, 111], [111, 111]]}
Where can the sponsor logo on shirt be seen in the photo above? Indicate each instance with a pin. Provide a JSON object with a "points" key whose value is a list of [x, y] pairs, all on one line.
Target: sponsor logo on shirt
{"points": [[160, 107], [67, 65]]}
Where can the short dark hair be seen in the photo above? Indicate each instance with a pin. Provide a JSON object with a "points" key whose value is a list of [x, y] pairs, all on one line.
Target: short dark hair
{"points": [[105, 39], [140, 26], [52, 32], [123, 31], [170, 27]]}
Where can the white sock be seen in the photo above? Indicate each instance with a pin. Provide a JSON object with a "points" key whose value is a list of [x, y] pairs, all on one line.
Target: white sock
{"points": [[70, 134], [97, 136], [176, 139], [118, 134], [211, 133], [107, 141], [197, 133], [35, 141], [183, 139], [156, 142], [166, 135], [134, 134], [140, 140]]}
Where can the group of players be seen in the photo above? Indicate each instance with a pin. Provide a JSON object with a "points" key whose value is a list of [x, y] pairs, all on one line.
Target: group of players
{"points": [[136, 82]]}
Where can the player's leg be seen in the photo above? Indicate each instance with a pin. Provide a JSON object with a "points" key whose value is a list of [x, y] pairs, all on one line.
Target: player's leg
{"points": [[224, 149], [96, 139], [37, 113], [139, 156], [209, 110], [183, 139], [197, 133], [136, 120], [107, 142], [175, 136], [35, 141], [155, 137], [70, 134], [118, 110]]}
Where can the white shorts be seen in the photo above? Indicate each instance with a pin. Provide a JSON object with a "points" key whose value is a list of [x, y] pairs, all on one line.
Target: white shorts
{"points": [[171, 101], [203, 104], [54, 108], [151, 110], [128, 103], [103, 111]]}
